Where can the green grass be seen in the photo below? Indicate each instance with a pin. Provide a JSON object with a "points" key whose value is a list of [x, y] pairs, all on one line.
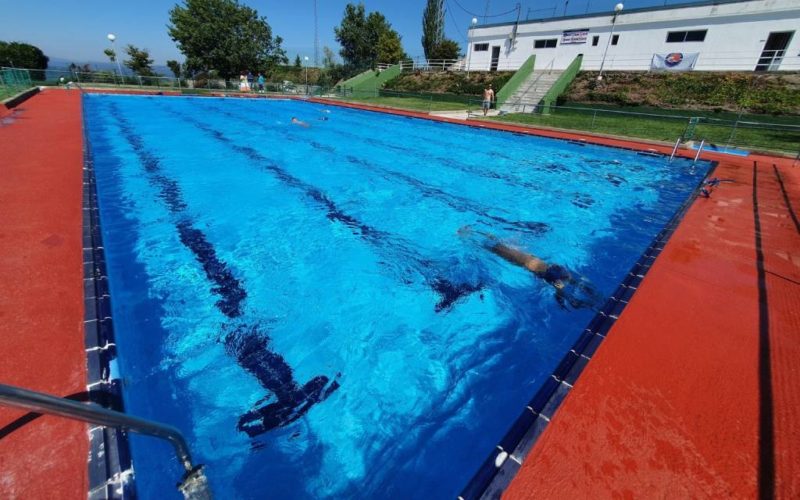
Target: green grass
{"points": [[416, 103], [763, 137]]}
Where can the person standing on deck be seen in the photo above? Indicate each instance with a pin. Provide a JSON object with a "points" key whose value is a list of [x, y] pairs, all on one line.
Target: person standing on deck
{"points": [[488, 98], [250, 81], [260, 83]]}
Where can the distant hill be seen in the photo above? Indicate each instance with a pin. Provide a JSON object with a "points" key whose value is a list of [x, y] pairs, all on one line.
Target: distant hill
{"points": [[59, 64]]}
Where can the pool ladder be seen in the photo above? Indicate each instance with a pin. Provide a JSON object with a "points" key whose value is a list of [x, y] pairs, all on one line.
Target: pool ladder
{"points": [[193, 485], [696, 156]]}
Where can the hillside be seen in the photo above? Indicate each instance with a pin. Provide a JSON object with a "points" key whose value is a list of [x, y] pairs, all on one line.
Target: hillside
{"points": [[771, 93], [458, 83]]}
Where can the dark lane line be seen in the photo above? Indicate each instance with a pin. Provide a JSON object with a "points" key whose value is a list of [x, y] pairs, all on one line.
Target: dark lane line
{"points": [[449, 292], [246, 343], [479, 169], [455, 202], [766, 431]]}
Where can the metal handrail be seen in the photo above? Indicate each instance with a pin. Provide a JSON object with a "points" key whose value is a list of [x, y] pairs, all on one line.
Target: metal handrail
{"points": [[534, 84], [194, 484], [675, 149]]}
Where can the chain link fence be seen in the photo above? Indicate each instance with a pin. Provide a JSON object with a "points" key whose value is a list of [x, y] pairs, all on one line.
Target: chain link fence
{"points": [[14, 81], [722, 131], [197, 85]]}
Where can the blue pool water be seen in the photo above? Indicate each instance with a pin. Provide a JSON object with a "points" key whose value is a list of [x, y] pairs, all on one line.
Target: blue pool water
{"points": [[300, 303]]}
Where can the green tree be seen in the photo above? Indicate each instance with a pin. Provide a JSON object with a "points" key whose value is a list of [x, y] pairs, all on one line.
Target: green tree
{"points": [[359, 34], [225, 36], [112, 56], [24, 55], [139, 62], [297, 62], [328, 57], [390, 48], [175, 67], [432, 27], [446, 49]]}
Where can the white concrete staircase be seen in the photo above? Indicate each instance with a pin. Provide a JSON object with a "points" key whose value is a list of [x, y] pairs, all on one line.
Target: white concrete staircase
{"points": [[531, 92]]}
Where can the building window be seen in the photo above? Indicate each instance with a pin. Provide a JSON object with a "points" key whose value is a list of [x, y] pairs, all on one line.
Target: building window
{"points": [[595, 40], [686, 36], [614, 39], [545, 44], [481, 47]]}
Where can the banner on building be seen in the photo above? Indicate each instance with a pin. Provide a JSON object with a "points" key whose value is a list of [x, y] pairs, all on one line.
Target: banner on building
{"points": [[674, 61], [574, 37]]}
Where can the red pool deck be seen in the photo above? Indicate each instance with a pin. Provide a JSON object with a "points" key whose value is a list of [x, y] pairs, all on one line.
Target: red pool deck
{"points": [[694, 394], [41, 295]]}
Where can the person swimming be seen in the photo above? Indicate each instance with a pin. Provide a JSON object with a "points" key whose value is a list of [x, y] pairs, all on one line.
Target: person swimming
{"points": [[296, 121], [569, 290]]}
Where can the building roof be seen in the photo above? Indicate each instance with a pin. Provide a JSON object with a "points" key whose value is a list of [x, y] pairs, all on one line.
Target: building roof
{"points": [[701, 3]]}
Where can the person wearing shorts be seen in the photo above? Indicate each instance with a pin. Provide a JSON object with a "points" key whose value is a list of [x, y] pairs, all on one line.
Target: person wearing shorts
{"points": [[488, 97]]}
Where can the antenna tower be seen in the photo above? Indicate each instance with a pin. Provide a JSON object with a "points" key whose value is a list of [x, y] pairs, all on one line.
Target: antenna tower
{"points": [[316, 36]]}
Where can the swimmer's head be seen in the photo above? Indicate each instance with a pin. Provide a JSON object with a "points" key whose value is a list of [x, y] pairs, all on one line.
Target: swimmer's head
{"points": [[557, 276]]}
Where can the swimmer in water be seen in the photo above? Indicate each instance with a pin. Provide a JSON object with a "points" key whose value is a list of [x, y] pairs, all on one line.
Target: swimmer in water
{"points": [[567, 287], [295, 121]]}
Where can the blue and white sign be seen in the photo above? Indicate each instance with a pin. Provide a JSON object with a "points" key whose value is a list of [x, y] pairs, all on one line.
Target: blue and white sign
{"points": [[674, 61], [574, 37]]}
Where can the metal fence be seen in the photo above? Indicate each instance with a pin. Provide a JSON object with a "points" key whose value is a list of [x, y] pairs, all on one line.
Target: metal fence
{"points": [[463, 64], [14, 81], [420, 101], [725, 131], [718, 130], [112, 79]]}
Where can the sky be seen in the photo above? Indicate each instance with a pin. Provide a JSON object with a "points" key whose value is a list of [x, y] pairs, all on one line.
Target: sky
{"points": [[75, 30]]}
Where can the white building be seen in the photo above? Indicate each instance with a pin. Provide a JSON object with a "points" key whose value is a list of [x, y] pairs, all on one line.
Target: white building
{"points": [[721, 35]]}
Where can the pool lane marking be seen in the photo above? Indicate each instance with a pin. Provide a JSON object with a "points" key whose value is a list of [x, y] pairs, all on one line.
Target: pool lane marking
{"points": [[448, 291], [449, 162], [246, 343], [503, 135], [786, 198], [455, 202], [766, 431]]}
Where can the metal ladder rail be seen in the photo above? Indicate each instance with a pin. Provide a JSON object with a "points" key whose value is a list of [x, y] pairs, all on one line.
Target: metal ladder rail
{"points": [[193, 485], [534, 84]]}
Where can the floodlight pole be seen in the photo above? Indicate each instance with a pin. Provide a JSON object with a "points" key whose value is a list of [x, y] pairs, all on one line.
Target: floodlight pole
{"points": [[470, 43], [617, 9], [111, 38], [305, 61]]}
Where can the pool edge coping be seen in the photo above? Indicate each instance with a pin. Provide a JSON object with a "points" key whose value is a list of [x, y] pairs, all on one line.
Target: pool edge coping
{"points": [[110, 465]]}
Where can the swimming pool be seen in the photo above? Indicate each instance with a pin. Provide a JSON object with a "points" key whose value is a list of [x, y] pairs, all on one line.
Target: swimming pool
{"points": [[317, 309]]}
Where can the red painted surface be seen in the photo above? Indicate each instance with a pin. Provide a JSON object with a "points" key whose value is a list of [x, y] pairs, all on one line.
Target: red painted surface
{"points": [[670, 404], [41, 294]]}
